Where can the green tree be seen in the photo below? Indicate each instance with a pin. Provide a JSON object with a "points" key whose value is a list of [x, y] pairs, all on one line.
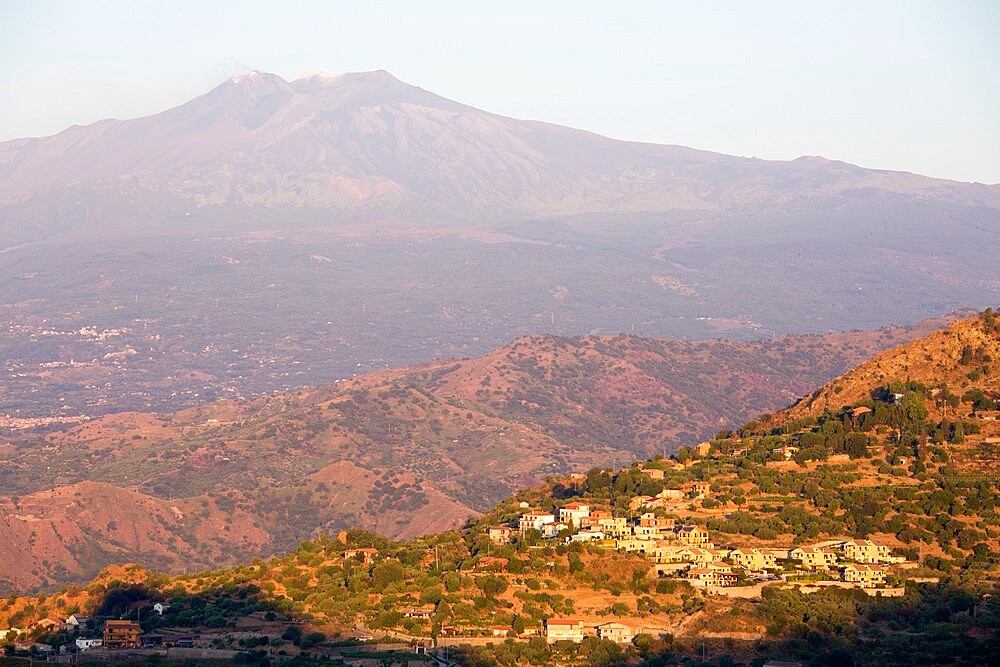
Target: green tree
{"points": [[293, 634], [491, 585]]}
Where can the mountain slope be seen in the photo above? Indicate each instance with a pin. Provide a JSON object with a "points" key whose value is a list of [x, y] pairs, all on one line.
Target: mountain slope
{"points": [[271, 235], [881, 552], [959, 358], [371, 144]]}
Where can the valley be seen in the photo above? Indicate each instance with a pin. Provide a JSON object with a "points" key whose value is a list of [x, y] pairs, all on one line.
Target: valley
{"points": [[401, 452]]}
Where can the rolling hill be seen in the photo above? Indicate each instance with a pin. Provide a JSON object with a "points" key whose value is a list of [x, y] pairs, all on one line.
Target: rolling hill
{"points": [[401, 452], [959, 358]]}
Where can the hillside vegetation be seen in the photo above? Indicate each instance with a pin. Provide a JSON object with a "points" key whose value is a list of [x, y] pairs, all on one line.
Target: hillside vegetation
{"points": [[905, 465], [400, 452]]}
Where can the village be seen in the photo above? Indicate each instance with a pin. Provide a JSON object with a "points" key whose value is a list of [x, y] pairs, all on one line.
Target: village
{"points": [[678, 551], [687, 552]]}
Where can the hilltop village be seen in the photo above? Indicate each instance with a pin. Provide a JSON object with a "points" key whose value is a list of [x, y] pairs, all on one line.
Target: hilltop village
{"points": [[688, 552], [677, 551]]}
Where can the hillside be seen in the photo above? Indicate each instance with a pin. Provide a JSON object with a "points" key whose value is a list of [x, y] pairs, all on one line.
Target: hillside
{"points": [[401, 452], [959, 358], [863, 535]]}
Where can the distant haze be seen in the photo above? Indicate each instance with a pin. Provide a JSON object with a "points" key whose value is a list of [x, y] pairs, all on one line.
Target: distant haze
{"points": [[911, 86], [272, 234]]}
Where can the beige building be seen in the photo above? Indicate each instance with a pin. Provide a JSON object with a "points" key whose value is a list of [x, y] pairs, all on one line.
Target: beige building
{"points": [[366, 555], [619, 633], [595, 517], [866, 551], [664, 524], [636, 546], [121, 634], [707, 555], [813, 557], [638, 501], [501, 534], [753, 559], [646, 532], [557, 629], [693, 535], [701, 489], [615, 527], [672, 553], [713, 575], [671, 494], [865, 576], [575, 512]]}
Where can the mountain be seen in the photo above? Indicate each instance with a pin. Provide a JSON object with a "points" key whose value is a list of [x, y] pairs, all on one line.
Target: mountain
{"points": [[374, 146], [402, 452], [273, 235]]}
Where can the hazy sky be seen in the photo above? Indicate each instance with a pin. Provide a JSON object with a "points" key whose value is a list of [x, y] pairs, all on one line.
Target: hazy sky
{"points": [[910, 85]]}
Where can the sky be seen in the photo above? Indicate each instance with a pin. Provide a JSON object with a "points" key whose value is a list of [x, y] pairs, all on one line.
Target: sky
{"points": [[908, 85]]}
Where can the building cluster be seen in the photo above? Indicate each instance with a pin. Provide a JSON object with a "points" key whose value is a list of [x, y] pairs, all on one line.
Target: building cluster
{"points": [[578, 523], [854, 561], [89, 633], [575, 630], [687, 550], [117, 633]]}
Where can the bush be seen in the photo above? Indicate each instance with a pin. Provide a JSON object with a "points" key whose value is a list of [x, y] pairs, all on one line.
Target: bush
{"points": [[666, 586], [293, 634]]}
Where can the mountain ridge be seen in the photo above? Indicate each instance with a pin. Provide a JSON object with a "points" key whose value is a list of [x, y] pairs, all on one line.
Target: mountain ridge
{"points": [[429, 207], [949, 358]]}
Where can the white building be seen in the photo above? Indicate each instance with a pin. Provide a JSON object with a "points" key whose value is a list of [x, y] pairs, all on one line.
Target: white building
{"points": [[534, 520], [619, 633], [84, 644], [574, 512], [76, 621]]}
